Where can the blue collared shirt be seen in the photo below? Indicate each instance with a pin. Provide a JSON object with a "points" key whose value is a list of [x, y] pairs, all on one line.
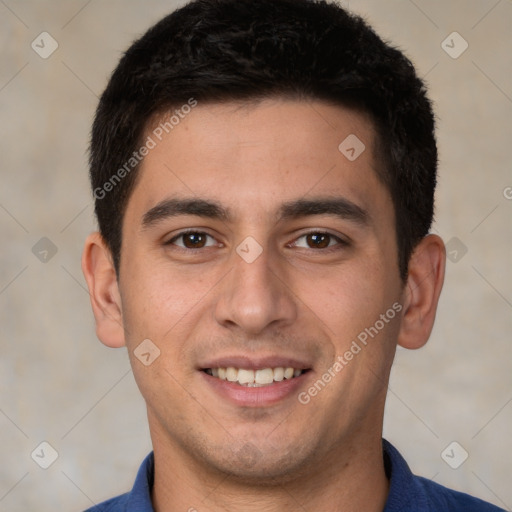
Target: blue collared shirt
{"points": [[407, 492]]}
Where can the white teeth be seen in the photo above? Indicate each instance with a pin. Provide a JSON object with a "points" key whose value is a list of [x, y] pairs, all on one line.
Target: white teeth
{"points": [[231, 374], [245, 376], [254, 378], [279, 374], [265, 376]]}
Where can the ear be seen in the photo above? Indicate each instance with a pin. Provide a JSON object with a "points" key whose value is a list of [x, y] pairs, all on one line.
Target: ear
{"points": [[421, 293], [100, 274]]}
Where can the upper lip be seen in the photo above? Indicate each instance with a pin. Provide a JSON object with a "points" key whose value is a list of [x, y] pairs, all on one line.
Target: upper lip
{"points": [[255, 363]]}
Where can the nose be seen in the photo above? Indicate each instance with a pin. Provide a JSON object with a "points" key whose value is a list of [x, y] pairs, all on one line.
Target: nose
{"points": [[256, 295]]}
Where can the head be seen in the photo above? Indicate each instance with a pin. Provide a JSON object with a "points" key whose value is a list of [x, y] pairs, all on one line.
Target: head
{"points": [[221, 51], [230, 119]]}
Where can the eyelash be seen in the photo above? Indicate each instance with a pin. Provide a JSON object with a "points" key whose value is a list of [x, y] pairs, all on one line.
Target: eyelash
{"points": [[184, 233], [340, 242]]}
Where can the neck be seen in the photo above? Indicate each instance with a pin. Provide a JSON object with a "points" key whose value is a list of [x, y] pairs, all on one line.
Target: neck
{"points": [[351, 478]]}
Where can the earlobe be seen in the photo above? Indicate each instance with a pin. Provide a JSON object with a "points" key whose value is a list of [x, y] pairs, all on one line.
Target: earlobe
{"points": [[422, 290], [101, 278]]}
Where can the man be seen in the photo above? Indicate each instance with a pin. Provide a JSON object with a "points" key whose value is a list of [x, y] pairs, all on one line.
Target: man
{"points": [[264, 174]]}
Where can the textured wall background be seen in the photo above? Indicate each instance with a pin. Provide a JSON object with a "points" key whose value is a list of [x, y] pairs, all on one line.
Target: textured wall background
{"points": [[60, 385]]}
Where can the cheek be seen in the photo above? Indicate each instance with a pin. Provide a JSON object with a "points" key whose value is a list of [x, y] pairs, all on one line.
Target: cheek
{"points": [[160, 306], [351, 306], [349, 299], [159, 302]]}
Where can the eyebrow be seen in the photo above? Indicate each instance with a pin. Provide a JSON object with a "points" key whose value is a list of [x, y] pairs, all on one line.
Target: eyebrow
{"points": [[175, 207], [338, 207]]}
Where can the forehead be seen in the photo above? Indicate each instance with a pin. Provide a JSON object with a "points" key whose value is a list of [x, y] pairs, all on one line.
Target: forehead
{"points": [[260, 155]]}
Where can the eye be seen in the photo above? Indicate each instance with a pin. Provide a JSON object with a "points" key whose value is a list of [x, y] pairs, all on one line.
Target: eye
{"points": [[318, 240], [192, 240]]}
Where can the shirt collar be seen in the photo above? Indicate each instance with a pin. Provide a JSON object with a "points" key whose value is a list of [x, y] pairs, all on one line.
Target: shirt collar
{"points": [[404, 492], [139, 499]]}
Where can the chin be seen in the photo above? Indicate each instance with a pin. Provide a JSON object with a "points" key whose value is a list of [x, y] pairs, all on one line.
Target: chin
{"points": [[254, 465]]}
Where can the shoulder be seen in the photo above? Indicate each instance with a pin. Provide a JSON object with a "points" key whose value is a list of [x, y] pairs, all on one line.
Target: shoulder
{"points": [[118, 504], [443, 498], [409, 492], [138, 499]]}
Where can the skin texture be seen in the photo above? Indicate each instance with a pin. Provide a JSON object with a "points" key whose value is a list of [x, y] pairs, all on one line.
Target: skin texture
{"points": [[295, 299]]}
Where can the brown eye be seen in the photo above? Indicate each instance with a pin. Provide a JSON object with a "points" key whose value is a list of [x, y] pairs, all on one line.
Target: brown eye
{"points": [[318, 240], [192, 240]]}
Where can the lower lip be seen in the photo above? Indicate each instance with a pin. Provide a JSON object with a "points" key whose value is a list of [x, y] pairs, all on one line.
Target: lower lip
{"points": [[258, 396]]}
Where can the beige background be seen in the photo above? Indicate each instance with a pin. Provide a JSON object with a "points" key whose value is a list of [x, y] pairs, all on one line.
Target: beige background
{"points": [[59, 384]]}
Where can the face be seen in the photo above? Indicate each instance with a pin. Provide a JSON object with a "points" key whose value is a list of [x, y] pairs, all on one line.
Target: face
{"points": [[261, 260]]}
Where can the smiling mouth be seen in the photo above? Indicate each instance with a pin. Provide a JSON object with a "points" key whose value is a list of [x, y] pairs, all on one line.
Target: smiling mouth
{"points": [[255, 378]]}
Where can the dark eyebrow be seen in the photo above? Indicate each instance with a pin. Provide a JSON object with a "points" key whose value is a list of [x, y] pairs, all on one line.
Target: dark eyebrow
{"points": [[173, 207], [338, 206]]}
